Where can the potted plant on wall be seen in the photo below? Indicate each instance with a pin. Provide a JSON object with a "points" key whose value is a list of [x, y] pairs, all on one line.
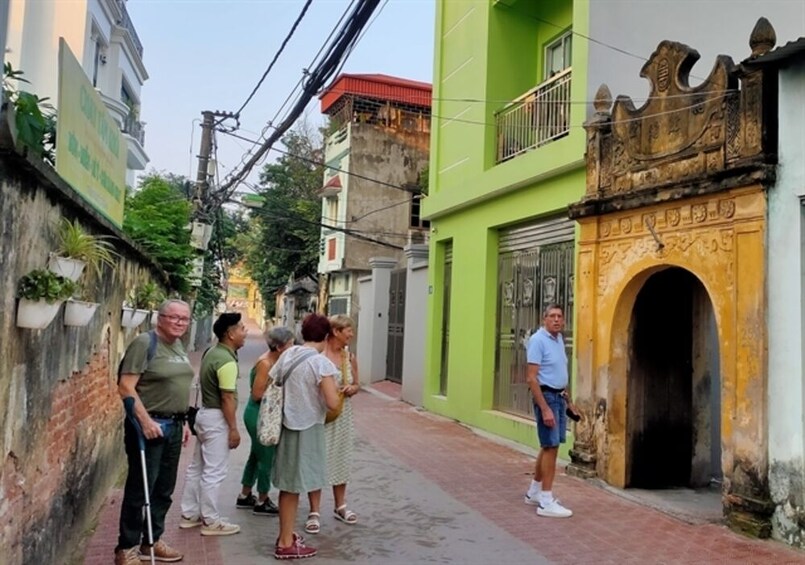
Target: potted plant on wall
{"points": [[135, 309], [78, 310], [157, 297], [41, 293], [78, 248]]}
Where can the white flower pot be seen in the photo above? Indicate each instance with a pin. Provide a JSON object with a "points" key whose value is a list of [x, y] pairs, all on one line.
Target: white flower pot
{"points": [[78, 313], [66, 267], [154, 317], [132, 318], [36, 314]]}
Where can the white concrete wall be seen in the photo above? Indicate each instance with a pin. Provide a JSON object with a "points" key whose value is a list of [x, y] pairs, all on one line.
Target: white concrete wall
{"points": [[364, 349], [34, 29], [416, 300], [336, 154], [786, 245], [712, 27]]}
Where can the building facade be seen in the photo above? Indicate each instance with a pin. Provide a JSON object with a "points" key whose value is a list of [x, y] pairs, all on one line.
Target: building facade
{"points": [[785, 284], [375, 155], [672, 372], [514, 83], [103, 38]]}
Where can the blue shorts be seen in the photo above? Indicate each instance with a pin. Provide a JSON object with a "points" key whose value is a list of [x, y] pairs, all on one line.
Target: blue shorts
{"points": [[552, 437]]}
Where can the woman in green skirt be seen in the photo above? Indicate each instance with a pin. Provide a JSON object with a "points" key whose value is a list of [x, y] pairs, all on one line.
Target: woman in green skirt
{"points": [[261, 457], [309, 387]]}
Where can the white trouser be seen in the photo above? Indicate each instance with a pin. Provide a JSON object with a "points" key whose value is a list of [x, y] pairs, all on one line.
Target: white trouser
{"points": [[208, 468]]}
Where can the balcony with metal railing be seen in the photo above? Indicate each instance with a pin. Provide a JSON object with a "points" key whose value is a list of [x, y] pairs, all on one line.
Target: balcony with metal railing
{"points": [[537, 117], [126, 23], [135, 128]]}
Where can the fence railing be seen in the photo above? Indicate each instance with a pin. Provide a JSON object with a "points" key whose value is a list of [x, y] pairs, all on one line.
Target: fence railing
{"points": [[134, 128], [536, 118], [125, 22]]}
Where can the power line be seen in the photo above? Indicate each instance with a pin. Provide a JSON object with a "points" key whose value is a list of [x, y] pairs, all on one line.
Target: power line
{"points": [[291, 216], [301, 80], [363, 33], [276, 56], [320, 75], [326, 166], [611, 122], [549, 102]]}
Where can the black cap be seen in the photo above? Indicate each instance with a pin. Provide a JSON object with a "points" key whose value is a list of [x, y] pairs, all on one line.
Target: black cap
{"points": [[224, 322]]}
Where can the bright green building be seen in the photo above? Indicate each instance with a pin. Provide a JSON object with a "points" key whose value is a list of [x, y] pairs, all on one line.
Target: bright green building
{"points": [[513, 84], [507, 149]]}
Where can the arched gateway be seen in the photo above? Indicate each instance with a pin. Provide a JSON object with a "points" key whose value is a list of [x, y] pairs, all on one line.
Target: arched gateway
{"points": [[671, 282]]}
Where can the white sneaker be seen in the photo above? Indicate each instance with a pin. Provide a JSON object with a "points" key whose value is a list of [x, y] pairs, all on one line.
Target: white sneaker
{"points": [[532, 499], [186, 523], [219, 528], [553, 510]]}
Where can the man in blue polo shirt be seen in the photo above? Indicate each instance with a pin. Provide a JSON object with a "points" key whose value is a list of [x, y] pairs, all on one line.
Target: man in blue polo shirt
{"points": [[547, 378]]}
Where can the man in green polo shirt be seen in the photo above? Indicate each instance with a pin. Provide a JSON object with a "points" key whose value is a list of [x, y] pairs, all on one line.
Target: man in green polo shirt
{"points": [[156, 372], [216, 428]]}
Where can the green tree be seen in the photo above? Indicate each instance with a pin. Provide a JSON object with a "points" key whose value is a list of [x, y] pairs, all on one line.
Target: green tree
{"points": [[285, 235], [156, 217]]}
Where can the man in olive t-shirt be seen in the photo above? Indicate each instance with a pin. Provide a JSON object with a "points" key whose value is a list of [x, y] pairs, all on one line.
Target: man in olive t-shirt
{"points": [[156, 372], [216, 430]]}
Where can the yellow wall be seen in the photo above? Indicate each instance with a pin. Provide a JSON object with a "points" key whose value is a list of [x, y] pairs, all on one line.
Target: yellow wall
{"points": [[721, 241]]}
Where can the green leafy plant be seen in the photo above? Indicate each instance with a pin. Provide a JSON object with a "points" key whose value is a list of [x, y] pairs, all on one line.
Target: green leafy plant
{"points": [[35, 118], [41, 284], [11, 75], [147, 296], [75, 242]]}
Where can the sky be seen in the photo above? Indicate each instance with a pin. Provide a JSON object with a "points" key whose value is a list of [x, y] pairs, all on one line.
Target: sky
{"points": [[209, 54]]}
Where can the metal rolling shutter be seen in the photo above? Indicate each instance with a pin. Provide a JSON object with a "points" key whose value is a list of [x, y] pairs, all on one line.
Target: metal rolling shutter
{"points": [[526, 236]]}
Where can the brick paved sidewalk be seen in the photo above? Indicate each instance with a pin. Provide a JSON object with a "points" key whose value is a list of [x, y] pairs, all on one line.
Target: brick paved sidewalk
{"points": [[490, 479]]}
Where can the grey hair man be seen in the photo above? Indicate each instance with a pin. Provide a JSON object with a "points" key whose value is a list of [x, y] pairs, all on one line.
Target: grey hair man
{"points": [[547, 378], [156, 372]]}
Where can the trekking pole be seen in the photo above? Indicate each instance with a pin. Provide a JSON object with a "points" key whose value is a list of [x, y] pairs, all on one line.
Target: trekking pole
{"points": [[128, 404]]}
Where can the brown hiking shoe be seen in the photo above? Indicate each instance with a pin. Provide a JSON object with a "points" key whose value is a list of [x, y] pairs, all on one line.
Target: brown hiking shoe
{"points": [[127, 556], [162, 552]]}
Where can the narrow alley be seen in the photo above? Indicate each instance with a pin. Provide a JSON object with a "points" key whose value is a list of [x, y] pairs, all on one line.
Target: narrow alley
{"points": [[428, 490]]}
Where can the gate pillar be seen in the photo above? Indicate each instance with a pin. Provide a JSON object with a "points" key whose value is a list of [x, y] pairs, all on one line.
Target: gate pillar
{"points": [[377, 329]]}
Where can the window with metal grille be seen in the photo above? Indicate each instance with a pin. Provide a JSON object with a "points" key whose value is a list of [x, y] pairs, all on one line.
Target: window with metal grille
{"points": [[338, 305], [416, 211]]}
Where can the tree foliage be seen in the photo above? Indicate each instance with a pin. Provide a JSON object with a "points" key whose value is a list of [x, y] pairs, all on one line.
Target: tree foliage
{"points": [[156, 216], [285, 235]]}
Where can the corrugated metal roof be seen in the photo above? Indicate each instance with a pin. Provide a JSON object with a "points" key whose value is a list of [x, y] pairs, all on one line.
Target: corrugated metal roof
{"points": [[781, 54], [379, 87]]}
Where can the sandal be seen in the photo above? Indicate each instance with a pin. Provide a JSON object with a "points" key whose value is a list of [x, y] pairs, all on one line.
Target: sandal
{"points": [[313, 524], [345, 515]]}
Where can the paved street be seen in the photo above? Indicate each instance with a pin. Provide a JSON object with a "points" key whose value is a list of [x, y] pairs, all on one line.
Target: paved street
{"points": [[428, 490]]}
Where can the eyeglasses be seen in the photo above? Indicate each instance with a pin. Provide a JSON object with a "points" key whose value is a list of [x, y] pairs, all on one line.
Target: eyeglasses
{"points": [[176, 319]]}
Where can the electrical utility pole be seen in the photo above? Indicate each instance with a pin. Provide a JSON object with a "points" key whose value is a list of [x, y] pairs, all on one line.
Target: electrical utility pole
{"points": [[202, 191], [203, 215]]}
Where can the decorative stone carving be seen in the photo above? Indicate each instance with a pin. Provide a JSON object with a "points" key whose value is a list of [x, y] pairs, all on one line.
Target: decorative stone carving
{"points": [[684, 140], [675, 116], [603, 100], [763, 38], [707, 212]]}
